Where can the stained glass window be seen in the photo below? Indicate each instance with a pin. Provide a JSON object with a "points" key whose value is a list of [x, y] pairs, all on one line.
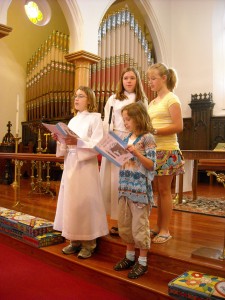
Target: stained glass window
{"points": [[38, 12]]}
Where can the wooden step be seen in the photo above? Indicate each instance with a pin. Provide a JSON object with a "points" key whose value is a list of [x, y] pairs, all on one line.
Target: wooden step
{"points": [[190, 232], [161, 259], [99, 268]]}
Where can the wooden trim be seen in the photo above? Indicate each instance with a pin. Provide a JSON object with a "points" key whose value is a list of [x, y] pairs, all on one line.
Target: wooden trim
{"points": [[4, 30], [31, 156], [82, 55]]}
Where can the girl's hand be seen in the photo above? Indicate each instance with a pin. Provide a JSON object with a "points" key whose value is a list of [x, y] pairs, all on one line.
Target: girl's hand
{"points": [[132, 149], [146, 162], [54, 136], [70, 140]]}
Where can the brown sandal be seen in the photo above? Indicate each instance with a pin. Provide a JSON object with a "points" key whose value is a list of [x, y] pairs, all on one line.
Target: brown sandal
{"points": [[137, 271], [124, 264]]}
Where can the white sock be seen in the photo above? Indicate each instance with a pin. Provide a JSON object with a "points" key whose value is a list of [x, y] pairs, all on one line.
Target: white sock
{"points": [[130, 255], [142, 260]]}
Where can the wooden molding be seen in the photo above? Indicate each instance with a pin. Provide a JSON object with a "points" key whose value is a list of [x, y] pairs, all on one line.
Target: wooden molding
{"points": [[82, 55], [4, 30]]}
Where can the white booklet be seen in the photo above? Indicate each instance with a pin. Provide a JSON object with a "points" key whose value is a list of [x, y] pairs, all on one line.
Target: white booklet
{"points": [[61, 129], [114, 149]]}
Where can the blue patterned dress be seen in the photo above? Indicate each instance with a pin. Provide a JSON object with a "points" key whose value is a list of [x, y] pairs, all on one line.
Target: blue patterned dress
{"points": [[135, 181]]}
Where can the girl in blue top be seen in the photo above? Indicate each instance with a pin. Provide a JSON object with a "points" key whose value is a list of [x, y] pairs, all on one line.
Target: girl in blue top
{"points": [[135, 189]]}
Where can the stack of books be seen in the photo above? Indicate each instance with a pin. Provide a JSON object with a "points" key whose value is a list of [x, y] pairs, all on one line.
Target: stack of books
{"points": [[32, 230], [198, 286]]}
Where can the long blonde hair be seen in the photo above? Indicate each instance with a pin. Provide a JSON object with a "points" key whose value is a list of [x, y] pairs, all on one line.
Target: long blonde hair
{"points": [[171, 74]]}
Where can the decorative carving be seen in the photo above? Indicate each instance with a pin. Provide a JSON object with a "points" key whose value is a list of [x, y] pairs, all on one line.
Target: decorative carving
{"points": [[220, 177], [201, 106], [8, 139]]}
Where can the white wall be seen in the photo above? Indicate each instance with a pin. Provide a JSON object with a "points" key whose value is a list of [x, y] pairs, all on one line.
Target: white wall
{"points": [[188, 35], [218, 57], [192, 49], [190, 32]]}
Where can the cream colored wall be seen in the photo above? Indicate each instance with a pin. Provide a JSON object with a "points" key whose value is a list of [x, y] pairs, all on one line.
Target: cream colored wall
{"points": [[15, 50], [187, 35], [190, 36], [192, 48]]}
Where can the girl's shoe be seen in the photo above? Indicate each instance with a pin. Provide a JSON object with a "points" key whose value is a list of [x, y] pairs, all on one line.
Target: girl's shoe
{"points": [[137, 271], [124, 264], [70, 249], [153, 233], [160, 239], [85, 253], [114, 231]]}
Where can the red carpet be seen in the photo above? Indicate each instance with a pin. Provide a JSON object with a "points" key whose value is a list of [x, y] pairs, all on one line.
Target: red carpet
{"points": [[25, 277]]}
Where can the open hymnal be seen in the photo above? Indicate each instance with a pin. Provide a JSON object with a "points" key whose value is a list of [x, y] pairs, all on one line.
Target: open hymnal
{"points": [[61, 129], [114, 149]]}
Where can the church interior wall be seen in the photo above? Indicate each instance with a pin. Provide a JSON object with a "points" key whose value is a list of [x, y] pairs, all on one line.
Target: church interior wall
{"points": [[186, 32], [15, 51], [191, 49]]}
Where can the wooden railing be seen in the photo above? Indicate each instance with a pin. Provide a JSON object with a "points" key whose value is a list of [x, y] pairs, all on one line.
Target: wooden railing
{"points": [[188, 155], [38, 162]]}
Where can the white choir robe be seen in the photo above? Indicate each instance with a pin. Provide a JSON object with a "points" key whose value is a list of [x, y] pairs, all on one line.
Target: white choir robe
{"points": [[80, 213], [109, 173]]}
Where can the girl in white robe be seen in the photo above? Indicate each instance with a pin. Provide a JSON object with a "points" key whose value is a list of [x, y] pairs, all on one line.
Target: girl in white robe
{"points": [[80, 213], [129, 90]]}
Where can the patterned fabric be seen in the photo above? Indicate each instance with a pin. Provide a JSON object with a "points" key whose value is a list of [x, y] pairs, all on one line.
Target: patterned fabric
{"points": [[134, 179], [169, 162]]}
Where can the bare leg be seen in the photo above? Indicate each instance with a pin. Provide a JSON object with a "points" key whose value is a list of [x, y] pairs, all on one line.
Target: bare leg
{"points": [[155, 228], [165, 204]]}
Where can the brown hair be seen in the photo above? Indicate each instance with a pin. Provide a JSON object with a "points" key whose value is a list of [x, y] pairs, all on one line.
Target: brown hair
{"points": [[139, 90], [138, 112], [171, 74], [92, 104]]}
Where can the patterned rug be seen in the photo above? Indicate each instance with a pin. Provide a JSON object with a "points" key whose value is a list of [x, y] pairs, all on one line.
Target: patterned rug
{"points": [[203, 205]]}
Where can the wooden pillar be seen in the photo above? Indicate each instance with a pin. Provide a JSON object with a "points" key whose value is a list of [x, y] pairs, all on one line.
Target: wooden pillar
{"points": [[82, 61]]}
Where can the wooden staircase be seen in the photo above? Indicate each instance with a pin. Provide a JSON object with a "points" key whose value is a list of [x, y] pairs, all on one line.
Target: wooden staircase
{"points": [[166, 261]]}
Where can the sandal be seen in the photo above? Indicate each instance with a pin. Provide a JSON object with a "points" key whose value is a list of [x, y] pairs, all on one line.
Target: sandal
{"points": [[124, 264], [153, 233], [114, 231], [137, 271], [160, 239]]}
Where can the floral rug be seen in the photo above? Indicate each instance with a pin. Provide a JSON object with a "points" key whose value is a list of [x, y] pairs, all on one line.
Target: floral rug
{"points": [[203, 205]]}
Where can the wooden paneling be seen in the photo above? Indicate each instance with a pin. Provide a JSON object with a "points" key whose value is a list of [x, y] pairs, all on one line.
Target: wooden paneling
{"points": [[202, 131]]}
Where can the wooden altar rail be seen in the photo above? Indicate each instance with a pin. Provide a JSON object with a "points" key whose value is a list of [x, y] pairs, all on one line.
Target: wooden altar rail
{"points": [[37, 161], [196, 155], [31, 156]]}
